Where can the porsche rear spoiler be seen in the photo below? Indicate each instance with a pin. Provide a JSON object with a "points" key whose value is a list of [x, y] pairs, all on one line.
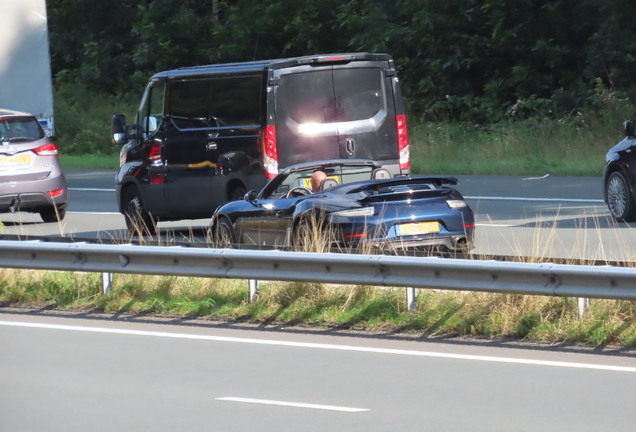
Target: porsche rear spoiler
{"points": [[438, 182]]}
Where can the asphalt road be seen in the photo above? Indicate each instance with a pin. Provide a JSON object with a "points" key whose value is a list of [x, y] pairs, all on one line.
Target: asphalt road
{"points": [[73, 374], [554, 216]]}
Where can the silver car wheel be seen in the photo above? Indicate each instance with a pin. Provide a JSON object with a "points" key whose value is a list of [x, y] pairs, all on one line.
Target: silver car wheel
{"points": [[617, 197]]}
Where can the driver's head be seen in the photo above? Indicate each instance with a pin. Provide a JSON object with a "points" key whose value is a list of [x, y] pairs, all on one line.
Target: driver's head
{"points": [[316, 179]]}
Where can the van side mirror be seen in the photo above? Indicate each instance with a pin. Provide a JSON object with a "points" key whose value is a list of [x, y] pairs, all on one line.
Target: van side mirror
{"points": [[629, 128], [250, 196], [120, 135]]}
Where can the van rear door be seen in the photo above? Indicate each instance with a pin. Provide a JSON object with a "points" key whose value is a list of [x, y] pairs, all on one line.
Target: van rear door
{"points": [[304, 105], [365, 112], [335, 112]]}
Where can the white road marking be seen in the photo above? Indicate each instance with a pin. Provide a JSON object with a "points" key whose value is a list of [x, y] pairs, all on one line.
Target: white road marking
{"points": [[91, 190], [573, 200], [321, 346], [494, 225], [292, 404], [93, 213]]}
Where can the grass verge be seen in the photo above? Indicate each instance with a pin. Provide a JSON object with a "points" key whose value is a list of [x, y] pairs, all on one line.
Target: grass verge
{"points": [[95, 161], [608, 322]]}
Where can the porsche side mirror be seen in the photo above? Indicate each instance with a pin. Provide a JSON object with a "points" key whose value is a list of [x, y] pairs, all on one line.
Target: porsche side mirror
{"points": [[629, 128], [120, 134], [250, 196]]}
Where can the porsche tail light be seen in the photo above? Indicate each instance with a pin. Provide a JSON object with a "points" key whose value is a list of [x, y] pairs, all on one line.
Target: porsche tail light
{"points": [[154, 155], [270, 152], [46, 150], [403, 141], [355, 235]]}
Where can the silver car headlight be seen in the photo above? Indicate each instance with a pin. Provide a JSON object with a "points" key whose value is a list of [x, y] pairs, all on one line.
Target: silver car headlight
{"points": [[364, 211], [456, 204]]}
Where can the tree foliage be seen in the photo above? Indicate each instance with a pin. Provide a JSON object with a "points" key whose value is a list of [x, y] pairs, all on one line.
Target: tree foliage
{"points": [[476, 60]]}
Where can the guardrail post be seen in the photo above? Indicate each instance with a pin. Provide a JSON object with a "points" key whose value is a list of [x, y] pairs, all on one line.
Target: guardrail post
{"points": [[107, 282], [584, 304], [253, 290], [410, 299]]}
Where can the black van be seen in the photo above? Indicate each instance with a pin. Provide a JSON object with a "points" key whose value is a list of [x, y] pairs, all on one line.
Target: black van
{"points": [[205, 135]]}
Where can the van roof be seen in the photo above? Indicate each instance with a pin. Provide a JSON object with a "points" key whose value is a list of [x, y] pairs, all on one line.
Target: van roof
{"points": [[261, 65]]}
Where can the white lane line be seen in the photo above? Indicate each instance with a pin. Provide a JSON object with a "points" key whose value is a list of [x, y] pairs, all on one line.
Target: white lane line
{"points": [[494, 225], [572, 200], [91, 190], [320, 346], [95, 213], [292, 404]]}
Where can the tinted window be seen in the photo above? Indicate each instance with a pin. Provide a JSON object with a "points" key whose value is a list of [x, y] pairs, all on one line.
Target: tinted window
{"points": [[307, 97], [216, 102], [151, 111], [358, 93], [327, 96], [16, 129]]}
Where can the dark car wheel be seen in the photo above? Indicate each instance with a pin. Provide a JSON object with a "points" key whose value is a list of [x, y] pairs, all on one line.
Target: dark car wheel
{"points": [[619, 198], [224, 235], [53, 214], [312, 234], [138, 220]]}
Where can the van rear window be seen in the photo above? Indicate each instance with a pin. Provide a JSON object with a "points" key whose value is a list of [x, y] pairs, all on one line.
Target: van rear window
{"points": [[330, 96], [216, 102], [20, 129]]}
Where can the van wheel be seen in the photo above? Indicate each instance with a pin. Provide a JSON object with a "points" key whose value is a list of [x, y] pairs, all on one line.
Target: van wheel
{"points": [[238, 193], [138, 220], [619, 198], [53, 214], [224, 235]]}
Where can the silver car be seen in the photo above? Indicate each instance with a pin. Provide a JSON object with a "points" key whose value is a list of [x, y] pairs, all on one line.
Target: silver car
{"points": [[31, 178]]}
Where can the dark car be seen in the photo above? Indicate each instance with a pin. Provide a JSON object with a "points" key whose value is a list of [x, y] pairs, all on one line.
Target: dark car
{"points": [[205, 135], [31, 178], [357, 204], [619, 176]]}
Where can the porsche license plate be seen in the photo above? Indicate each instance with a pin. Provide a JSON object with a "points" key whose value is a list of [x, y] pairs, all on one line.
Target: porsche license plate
{"points": [[18, 160], [417, 228]]}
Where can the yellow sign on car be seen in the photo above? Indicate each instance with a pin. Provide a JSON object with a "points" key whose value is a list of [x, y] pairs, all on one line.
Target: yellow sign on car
{"points": [[17, 160], [306, 182], [417, 228]]}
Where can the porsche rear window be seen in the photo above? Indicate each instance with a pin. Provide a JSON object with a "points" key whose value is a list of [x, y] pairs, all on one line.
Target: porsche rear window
{"points": [[16, 129]]}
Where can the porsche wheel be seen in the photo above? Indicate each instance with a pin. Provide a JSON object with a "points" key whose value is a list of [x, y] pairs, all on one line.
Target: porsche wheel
{"points": [[619, 199], [224, 235]]}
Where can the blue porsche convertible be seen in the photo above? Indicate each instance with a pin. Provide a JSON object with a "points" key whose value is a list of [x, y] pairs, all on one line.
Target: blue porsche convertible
{"points": [[348, 204]]}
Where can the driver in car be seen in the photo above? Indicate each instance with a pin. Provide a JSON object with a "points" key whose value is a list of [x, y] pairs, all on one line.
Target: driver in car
{"points": [[316, 179]]}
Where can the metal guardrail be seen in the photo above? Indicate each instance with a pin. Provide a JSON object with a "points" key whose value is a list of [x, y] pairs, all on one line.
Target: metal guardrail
{"points": [[376, 270], [203, 244]]}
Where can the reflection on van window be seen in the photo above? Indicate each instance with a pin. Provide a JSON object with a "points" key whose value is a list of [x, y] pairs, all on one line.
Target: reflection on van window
{"points": [[216, 102], [327, 96]]}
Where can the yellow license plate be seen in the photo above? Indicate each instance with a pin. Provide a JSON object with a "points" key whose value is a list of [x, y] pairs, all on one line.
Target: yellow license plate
{"points": [[306, 182], [417, 228], [15, 160]]}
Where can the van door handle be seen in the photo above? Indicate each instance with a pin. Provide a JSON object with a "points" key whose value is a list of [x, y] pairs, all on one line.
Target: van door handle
{"points": [[211, 145], [350, 146]]}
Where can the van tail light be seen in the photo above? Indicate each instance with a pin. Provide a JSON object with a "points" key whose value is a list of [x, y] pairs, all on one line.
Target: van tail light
{"points": [[154, 155], [46, 150], [270, 152], [403, 141]]}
